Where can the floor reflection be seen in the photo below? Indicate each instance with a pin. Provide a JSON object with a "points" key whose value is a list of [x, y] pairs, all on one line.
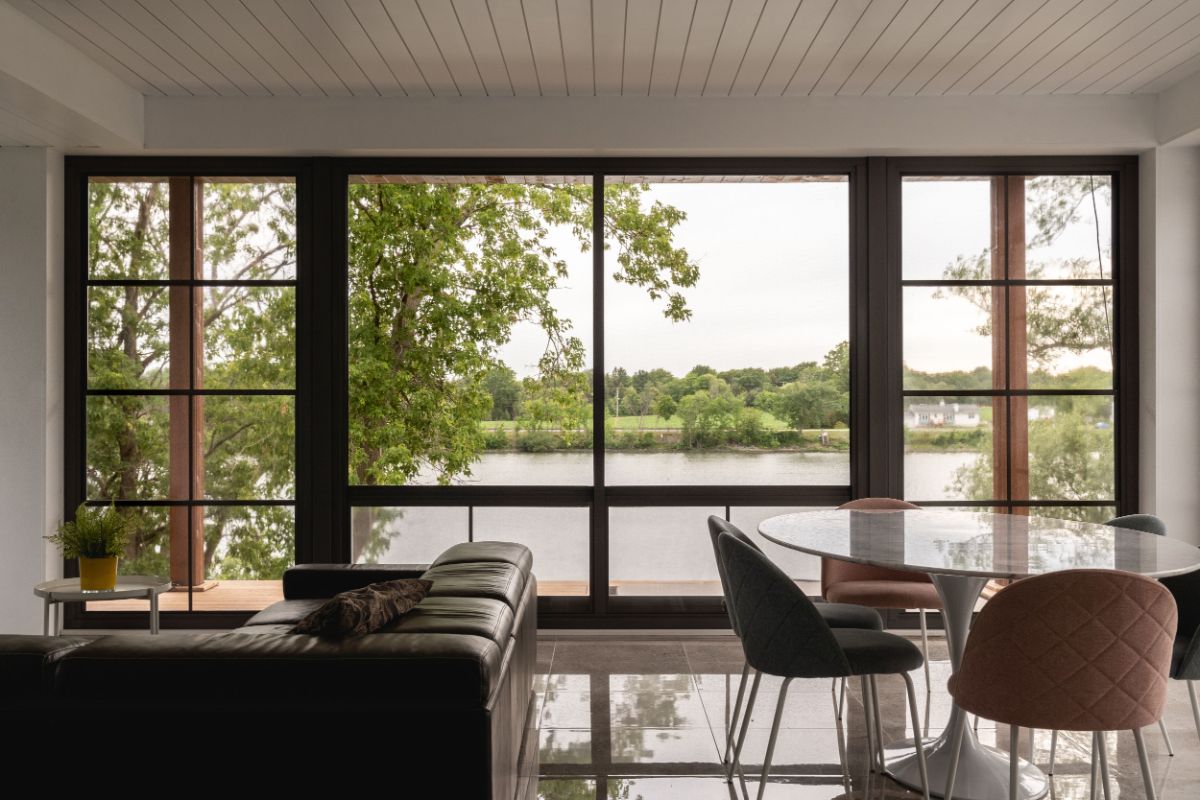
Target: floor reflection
{"points": [[644, 719]]}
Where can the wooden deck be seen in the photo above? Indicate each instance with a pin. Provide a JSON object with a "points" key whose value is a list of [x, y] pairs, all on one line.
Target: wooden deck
{"points": [[257, 595]]}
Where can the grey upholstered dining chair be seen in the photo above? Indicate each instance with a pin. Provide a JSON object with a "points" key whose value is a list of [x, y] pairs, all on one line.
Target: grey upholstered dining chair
{"points": [[1146, 523], [783, 634], [837, 615]]}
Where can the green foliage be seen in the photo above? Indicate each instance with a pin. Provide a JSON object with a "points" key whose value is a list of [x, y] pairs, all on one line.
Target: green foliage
{"points": [[94, 533], [665, 406]]}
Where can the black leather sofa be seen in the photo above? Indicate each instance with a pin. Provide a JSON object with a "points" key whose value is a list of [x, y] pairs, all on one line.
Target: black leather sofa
{"points": [[444, 694]]}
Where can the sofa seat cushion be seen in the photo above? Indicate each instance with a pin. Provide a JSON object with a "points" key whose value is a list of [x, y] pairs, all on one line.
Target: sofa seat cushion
{"points": [[495, 579], [286, 612], [27, 662], [505, 552], [473, 616], [380, 671]]}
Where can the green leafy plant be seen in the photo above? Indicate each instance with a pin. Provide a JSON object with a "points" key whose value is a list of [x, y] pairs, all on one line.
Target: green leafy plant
{"points": [[95, 533]]}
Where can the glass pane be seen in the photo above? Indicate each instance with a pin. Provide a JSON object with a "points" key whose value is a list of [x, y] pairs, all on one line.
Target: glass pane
{"points": [[1068, 226], [1071, 449], [410, 535], [948, 448], [662, 551], [946, 227], [127, 448], [948, 337], [469, 322], [128, 229], [246, 551], [803, 567], [727, 332], [249, 229], [1069, 336], [558, 537], [249, 337], [249, 446], [1098, 514], [128, 337]]}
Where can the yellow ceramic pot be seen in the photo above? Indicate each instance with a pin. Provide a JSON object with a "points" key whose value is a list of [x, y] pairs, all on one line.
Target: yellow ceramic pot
{"points": [[98, 574]]}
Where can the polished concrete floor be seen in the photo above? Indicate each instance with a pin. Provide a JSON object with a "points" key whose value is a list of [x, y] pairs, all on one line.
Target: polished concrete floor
{"points": [[642, 719]]}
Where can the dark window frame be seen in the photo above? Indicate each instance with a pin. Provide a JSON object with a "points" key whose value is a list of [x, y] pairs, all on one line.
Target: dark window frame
{"points": [[324, 498]]}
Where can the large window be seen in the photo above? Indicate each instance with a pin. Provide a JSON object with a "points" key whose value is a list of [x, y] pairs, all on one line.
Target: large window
{"points": [[369, 360], [190, 361], [1009, 355]]}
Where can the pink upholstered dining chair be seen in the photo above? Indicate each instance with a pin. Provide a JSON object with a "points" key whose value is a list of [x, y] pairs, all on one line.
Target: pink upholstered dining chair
{"points": [[1079, 650], [879, 587]]}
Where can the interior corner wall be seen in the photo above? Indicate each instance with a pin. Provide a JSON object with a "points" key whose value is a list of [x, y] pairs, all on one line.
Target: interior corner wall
{"points": [[31, 391], [1169, 310]]}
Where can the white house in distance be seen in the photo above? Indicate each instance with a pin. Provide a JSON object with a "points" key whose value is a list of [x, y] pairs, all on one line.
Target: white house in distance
{"points": [[941, 415]]}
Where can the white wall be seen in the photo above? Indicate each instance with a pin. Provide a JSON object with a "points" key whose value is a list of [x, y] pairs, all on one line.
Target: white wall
{"points": [[1170, 337], [30, 378]]}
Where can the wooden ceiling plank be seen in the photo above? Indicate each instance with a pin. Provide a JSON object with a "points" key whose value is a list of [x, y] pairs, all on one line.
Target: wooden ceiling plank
{"points": [[928, 33], [641, 34], [992, 37], [674, 27], [410, 26], [1021, 37], [314, 25], [608, 43], [442, 21], [206, 47], [575, 22], [1169, 78], [374, 19], [274, 24], [509, 25], [776, 19], [826, 45], [877, 19], [903, 27], [1183, 54], [175, 48], [63, 19], [1016, 71], [541, 22], [351, 36], [704, 32], [1132, 41], [1136, 70], [731, 48], [240, 34], [475, 21], [977, 17]]}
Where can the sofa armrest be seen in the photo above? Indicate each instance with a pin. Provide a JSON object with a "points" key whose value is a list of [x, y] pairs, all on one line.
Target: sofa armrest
{"points": [[310, 581]]}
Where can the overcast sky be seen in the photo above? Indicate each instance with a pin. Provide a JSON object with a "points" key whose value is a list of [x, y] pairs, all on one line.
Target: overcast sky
{"points": [[774, 280]]}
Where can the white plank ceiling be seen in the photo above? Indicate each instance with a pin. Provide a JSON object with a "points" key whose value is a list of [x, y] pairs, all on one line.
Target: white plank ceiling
{"points": [[450, 48]]}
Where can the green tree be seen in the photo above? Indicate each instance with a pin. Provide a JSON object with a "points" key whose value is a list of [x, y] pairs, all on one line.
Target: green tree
{"points": [[502, 384], [665, 406]]}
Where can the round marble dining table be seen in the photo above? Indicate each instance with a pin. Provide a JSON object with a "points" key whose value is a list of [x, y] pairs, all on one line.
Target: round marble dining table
{"points": [[961, 551]]}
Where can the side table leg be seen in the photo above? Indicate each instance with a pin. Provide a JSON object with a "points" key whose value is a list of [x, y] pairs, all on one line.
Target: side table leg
{"points": [[45, 616], [58, 619], [153, 612]]}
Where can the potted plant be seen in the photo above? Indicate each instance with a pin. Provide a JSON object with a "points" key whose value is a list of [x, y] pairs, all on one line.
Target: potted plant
{"points": [[97, 536]]}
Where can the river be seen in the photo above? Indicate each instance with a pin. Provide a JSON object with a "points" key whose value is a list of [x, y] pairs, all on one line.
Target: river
{"points": [[659, 550]]}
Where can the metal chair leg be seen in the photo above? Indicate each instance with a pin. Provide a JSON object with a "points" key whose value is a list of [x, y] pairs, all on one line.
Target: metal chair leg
{"points": [[1053, 748], [912, 707], [842, 700], [733, 718], [1146, 777], [878, 723], [746, 712], [1102, 750], [762, 785], [1094, 778], [1195, 707], [1014, 763], [1162, 726], [869, 723], [955, 751]]}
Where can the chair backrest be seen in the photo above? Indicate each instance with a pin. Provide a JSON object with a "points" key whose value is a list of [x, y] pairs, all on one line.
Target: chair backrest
{"points": [[1082, 650], [717, 526], [782, 631], [835, 571], [1146, 523]]}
